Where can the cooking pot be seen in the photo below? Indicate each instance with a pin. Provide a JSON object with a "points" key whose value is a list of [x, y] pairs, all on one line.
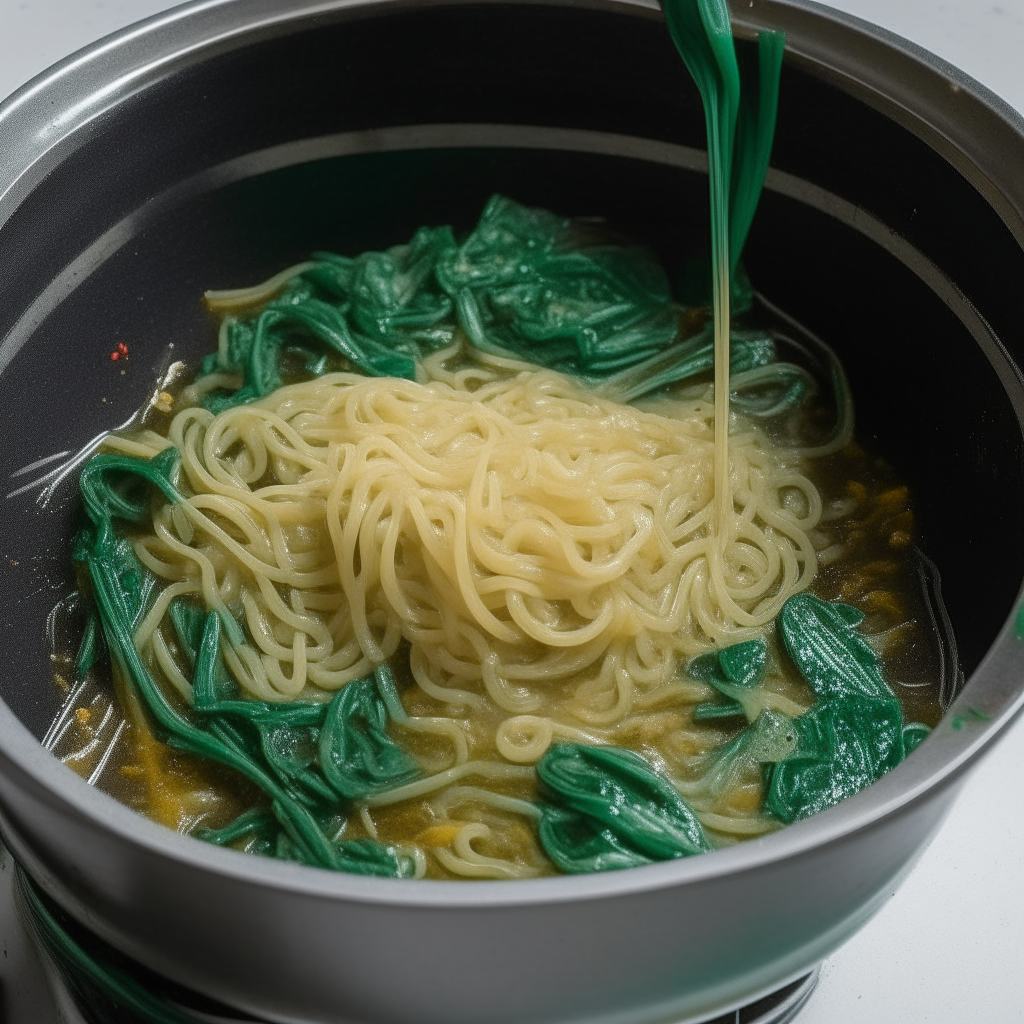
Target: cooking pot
{"points": [[213, 145]]}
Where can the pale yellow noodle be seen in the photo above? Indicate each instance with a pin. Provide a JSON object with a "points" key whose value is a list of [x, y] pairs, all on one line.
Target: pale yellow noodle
{"points": [[547, 557], [484, 769], [463, 860]]}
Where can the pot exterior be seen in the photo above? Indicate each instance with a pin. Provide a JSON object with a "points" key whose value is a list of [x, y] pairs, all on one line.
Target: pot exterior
{"points": [[674, 952]]}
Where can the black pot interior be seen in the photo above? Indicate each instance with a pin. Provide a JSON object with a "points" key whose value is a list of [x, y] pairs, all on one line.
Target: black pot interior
{"points": [[927, 397]]}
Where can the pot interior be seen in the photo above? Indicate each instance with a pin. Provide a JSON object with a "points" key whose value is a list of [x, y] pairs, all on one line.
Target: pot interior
{"points": [[209, 179]]}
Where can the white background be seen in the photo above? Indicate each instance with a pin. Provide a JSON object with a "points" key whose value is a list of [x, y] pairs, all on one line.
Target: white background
{"points": [[949, 947]]}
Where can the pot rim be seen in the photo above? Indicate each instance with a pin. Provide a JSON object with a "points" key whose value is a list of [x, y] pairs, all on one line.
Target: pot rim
{"points": [[45, 119]]}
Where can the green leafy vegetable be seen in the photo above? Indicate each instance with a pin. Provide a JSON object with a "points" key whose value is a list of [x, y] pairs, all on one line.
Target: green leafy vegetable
{"points": [[854, 734], [609, 808], [835, 660], [280, 748], [740, 665], [843, 745], [379, 311], [356, 755], [755, 133], [253, 824], [107, 483], [733, 671], [722, 709], [90, 650], [579, 844], [339, 748], [771, 739], [524, 283], [740, 110]]}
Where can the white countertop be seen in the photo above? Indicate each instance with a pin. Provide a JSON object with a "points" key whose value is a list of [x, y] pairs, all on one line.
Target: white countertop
{"points": [[949, 947]]}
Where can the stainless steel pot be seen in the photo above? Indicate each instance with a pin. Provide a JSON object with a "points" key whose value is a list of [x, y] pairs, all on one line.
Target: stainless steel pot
{"points": [[217, 142]]}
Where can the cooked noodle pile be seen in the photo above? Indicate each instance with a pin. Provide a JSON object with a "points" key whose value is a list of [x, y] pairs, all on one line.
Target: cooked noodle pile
{"points": [[542, 551]]}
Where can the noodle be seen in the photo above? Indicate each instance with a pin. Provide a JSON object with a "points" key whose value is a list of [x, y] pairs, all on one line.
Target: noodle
{"points": [[535, 546]]}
